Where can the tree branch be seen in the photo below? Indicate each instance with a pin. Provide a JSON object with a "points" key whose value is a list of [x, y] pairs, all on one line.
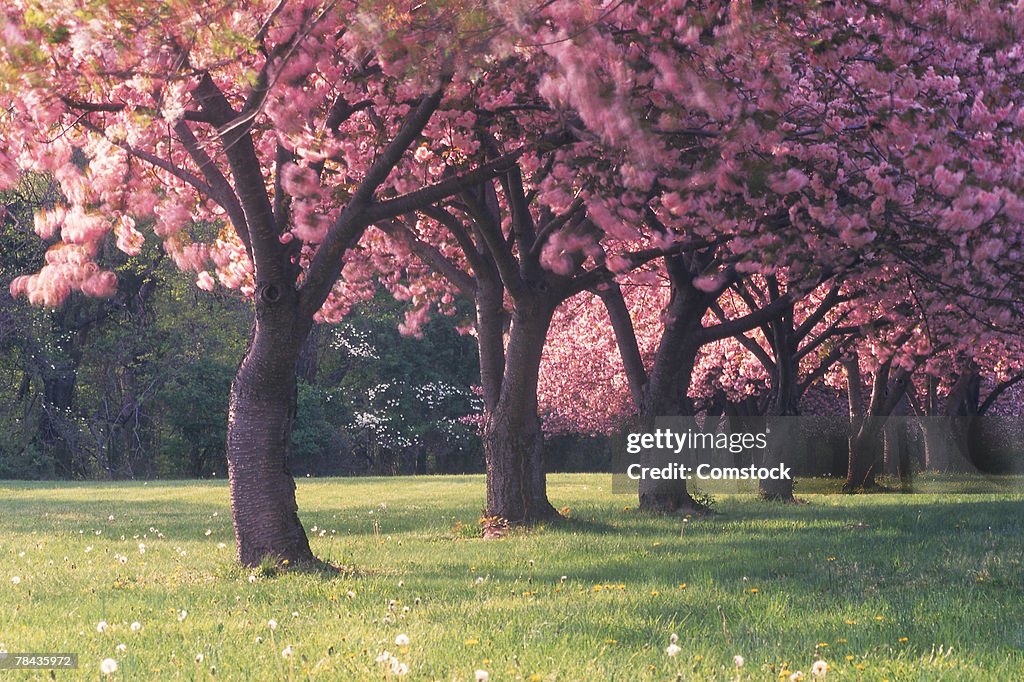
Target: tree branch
{"points": [[744, 324], [625, 339], [430, 255], [353, 220]]}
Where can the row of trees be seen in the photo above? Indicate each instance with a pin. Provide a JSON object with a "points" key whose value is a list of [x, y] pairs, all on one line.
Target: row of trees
{"points": [[813, 184]]}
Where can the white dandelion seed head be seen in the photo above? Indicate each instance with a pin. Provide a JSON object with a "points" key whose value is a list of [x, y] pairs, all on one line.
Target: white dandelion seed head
{"points": [[402, 640], [819, 669], [110, 518], [295, 614], [142, 548], [182, 615], [673, 650], [15, 580], [108, 666], [102, 626], [272, 624], [673, 638], [383, 657], [482, 676], [208, 532], [398, 668], [350, 594], [136, 626], [738, 661], [200, 658], [121, 648], [798, 676], [221, 545], [287, 652], [259, 640]]}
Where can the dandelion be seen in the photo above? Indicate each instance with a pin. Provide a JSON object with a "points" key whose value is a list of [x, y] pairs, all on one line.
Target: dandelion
{"points": [[673, 638], [142, 548], [482, 676], [123, 559], [672, 650], [208, 532], [295, 614], [479, 580], [399, 668], [272, 624], [200, 658], [738, 661], [563, 578], [259, 640], [102, 626], [16, 580], [383, 657], [182, 615], [402, 640], [796, 677], [121, 648], [110, 518], [350, 594], [819, 669], [136, 626], [287, 652], [221, 545], [108, 666]]}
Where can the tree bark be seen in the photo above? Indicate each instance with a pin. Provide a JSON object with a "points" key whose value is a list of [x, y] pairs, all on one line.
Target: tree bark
{"points": [[663, 398], [785, 431], [512, 437], [863, 463], [260, 418]]}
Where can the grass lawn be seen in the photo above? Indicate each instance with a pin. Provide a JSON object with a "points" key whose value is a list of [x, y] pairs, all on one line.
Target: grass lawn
{"points": [[911, 587]]}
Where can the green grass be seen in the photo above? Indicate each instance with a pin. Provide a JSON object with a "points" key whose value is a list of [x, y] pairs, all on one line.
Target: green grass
{"points": [[915, 587]]}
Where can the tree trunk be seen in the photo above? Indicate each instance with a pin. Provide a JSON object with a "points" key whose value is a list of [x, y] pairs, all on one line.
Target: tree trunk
{"points": [[862, 467], [782, 439], [260, 418], [666, 396], [512, 438]]}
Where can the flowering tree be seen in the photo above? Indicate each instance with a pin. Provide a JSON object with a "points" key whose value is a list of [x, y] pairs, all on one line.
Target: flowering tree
{"points": [[820, 140], [259, 144]]}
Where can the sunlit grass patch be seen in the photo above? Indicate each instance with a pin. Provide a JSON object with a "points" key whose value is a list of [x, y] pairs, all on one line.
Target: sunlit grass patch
{"points": [[878, 587]]}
